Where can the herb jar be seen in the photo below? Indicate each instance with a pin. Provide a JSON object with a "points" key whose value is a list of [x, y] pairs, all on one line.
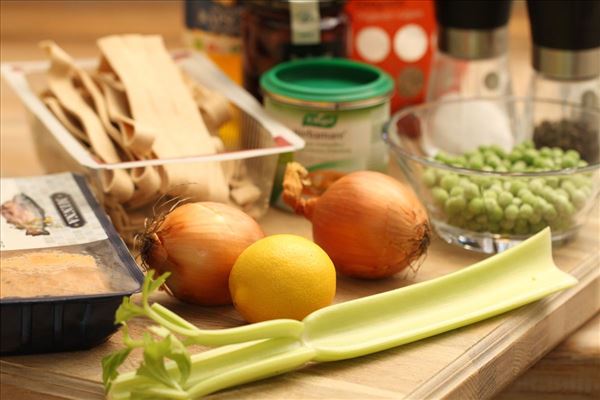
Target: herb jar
{"points": [[338, 107], [274, 31]]}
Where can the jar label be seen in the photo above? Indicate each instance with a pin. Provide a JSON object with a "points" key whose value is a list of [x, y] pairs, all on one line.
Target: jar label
{"points": [[305, 21], [337, 142]]}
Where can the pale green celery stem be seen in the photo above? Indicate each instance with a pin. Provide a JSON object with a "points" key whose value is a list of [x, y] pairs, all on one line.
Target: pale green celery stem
{"points": [[218, 337]]}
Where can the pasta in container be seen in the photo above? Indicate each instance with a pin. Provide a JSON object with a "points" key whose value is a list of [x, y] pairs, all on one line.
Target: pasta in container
{"points": [[145, 125]]}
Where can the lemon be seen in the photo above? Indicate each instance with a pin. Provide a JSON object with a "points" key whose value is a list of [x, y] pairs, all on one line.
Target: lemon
{"points": [[281, 276]]}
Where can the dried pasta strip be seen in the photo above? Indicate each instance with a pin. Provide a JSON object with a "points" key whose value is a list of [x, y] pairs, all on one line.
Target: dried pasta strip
{"points": [[67, 121], [147, 180], [115, 182], [138, 139], [159, 98], [214, 107]]}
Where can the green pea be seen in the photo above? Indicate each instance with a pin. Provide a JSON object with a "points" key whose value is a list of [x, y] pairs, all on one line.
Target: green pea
{"points": [[454, 205], [517, 201], [549, 213], [582, 163], [562, 205], [569, 209], [429, 177], [552, 181], [531, 199], [459, 162], [546, 151], [476, 205], [505, 198], [562, 193], [530, 155], [568, 163], [518, 166], [557, 152], [517, 185], [545, 164], [449, 181], [572, 154], [526, 211], [524, 192], [515, 156], [492, 194], [501, 168], [578, 198], [496, 214], [439, 195], [442, 157], [511, 212], [537, 185], [487, 168], [567, 185], [471, 190], [476, 162], [457, 191], [493, 160]]}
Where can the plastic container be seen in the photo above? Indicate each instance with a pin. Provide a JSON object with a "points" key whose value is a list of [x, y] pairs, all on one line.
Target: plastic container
{"points": [[261, 139], [338, 107], [69, 223], [562, 198]]}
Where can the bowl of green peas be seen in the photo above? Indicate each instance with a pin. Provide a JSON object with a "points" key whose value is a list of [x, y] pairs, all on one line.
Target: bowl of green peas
{"points": [[494, 171]]}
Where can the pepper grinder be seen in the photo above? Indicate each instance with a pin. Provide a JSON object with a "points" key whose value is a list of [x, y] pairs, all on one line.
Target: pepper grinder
{"points": [[566, 63], [471, 58], [566, 50]]}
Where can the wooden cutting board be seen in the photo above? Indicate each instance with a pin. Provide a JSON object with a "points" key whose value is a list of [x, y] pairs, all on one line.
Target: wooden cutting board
{"points": [[476, 361]]}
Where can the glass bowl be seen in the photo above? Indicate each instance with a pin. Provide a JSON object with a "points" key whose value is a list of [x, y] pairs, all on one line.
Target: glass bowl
{"points": [[479, 198]]}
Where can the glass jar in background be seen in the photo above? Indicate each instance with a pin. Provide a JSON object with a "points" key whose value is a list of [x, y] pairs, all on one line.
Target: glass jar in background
{"points": [[274, 31], [213, 27]]}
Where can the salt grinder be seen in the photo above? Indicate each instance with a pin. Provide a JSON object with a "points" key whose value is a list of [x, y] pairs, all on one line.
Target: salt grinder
{"points": [[471, 57]]}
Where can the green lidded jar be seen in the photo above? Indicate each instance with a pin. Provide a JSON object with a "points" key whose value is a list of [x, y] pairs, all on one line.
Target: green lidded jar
{"points": [[338, 107]]}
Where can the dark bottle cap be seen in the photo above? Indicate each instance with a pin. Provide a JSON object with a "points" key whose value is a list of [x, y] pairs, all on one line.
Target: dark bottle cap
{"points": [[472, 14], [565, 24]]}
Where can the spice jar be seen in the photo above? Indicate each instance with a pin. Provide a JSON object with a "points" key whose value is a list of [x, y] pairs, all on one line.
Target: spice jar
{"points": [[279, 30]]}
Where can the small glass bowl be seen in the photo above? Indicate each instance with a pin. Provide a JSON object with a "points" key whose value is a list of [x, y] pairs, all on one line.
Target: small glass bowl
{"points": [[512, 204]]}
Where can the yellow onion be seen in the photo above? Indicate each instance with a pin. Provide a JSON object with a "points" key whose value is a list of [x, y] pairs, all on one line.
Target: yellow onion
{"points": [[198, 244], [371, 225]]}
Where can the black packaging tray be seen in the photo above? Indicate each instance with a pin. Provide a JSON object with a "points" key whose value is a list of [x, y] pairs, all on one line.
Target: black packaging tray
{"points": [[52, 324]]}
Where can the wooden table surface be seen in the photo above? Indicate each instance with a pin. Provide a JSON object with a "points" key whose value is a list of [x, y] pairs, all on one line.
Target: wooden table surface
{"points": [[570, 370]]}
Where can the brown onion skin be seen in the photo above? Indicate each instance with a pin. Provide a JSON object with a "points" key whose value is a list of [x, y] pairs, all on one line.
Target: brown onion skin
{"points": [[371, 225], [200, 266]]}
